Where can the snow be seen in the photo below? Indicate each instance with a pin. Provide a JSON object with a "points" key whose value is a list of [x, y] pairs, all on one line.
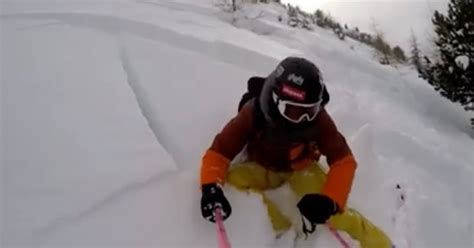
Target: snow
{"points": [[463, 60], [74, 136], [107, 108]]}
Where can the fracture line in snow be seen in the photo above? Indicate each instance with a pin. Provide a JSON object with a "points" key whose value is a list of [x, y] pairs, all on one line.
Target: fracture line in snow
{"points": [[176, 6], [42, 234], [140, 96], [236, 55], [41, 25]]}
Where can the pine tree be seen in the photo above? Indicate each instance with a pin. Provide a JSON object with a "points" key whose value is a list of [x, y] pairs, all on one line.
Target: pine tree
{"points": [[453, 73], [415, 59], [399, 54], [383, 48], [319, 16], [292, 16], [380, 44]]}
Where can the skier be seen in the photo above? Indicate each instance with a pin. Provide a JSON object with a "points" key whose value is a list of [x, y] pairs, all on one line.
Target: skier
{"points": [[284, 127]]}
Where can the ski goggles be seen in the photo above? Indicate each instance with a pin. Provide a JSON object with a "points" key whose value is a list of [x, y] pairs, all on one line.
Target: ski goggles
{"points": [[297, 112]]}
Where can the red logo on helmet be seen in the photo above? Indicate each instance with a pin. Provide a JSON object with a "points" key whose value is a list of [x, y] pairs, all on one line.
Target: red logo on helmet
{"points": [[293, 92]]}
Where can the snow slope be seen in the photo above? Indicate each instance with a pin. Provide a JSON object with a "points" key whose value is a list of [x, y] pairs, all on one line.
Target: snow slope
{"points": [[107, 108]]}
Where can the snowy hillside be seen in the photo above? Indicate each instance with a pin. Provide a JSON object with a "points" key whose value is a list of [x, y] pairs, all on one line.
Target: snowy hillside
{"points": [[108, 106]]}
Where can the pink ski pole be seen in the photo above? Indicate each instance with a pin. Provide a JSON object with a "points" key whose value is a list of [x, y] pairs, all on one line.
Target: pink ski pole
{"points": [[222, 240], [338, 236]]}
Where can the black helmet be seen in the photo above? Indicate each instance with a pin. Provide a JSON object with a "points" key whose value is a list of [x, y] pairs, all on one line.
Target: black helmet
{"points": [[293, 93]]}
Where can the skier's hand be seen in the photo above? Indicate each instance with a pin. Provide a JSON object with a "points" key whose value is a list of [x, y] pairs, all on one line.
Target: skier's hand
{"points": [[212, 197], [317, 208]]}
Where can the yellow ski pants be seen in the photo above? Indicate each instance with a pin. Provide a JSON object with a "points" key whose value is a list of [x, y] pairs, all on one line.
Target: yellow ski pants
{"points": [[253, 177]]}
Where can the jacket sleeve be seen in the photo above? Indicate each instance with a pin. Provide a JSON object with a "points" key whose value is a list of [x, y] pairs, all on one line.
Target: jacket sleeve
{"points": [[342, 164], [226, 145]]}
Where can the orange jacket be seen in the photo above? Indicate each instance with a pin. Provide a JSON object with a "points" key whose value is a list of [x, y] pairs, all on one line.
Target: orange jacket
{"points": [[326, 139]]}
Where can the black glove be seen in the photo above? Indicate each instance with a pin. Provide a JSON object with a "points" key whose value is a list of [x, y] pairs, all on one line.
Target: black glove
{"points": [[212, 197], [317, 208]]}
